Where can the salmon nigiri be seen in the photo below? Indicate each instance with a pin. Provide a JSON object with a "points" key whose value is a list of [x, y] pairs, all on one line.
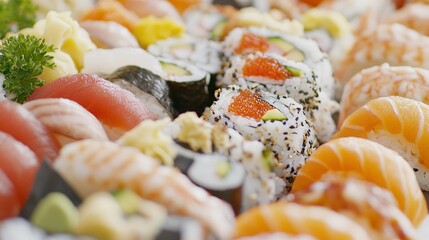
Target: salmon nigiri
{"points": [[118, 109], [19, 163], [398, 123], [24, 127], [372, 207], [368, 161], [383, 81], [391, 43], [66, 119], [9, 202], [295, 219], [91, 166]]}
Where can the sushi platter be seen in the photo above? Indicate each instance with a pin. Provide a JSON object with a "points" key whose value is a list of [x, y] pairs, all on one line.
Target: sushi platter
{"points": [[214, 120]]}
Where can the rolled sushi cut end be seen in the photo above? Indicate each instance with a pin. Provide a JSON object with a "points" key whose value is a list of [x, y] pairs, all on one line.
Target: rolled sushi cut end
{"points": [[188, 85], [278, 122], [221, 178]]}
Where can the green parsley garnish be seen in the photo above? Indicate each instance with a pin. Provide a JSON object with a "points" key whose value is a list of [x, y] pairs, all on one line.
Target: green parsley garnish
{"points": [[22, 59], [16, 15]]}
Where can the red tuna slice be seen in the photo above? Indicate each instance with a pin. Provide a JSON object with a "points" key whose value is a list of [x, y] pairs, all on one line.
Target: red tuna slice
{"points": [[9, 203], [19, 164], [22, 125], [112, 105]]}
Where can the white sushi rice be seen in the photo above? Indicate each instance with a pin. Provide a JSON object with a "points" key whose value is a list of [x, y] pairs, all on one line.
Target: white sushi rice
{"points": [[20, 229], [407, 150], [260, 184], [313, 56], [291, 140], [304, 89]]}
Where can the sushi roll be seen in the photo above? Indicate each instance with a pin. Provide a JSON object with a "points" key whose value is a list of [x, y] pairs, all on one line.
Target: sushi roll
{"points": [[205, 21], [331, 30], [374, 208], [388, 43], [243, 41], [196, 139], [188, 85], [280, 76], [383, 81], [295, 219], [371, 162], [149, 87], [397, 123], [279, 122]]}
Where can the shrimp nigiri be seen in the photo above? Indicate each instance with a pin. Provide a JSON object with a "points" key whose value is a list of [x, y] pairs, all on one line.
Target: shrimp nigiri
{"points": [[383, 81], [414, 16], [295, 219], [398, 123], [369, 161], [90, 166], [391, 43], [66, 119]]}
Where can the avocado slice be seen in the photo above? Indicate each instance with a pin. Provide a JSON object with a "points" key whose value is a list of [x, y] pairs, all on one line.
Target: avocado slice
{"points": [[173, 69], [295, 71], [295, 55], [268, 159], [128, 200], [218, 29], [56, 214], [223, 168], [280, 43], [274, 115]]}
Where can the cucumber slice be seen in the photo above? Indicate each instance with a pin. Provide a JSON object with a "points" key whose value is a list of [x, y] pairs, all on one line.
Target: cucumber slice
{"points": [[295, 71], [280, 43], [274, 115], [172, 69]]}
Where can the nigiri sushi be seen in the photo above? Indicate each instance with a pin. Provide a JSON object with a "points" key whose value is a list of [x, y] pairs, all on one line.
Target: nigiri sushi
{"points": [[19, 164], [9, 201], [90, 166], [368, 161], [383, 81], [109, 34], [22, 125], [66, 119], [295, 219], [372, 207], [413, 16], [391, 43], [397, 123], [117, 109]]}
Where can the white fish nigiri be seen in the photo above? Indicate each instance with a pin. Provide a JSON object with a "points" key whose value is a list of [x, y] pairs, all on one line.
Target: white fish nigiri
{"points": [[68, 120], [109, 34], [91, 166]]}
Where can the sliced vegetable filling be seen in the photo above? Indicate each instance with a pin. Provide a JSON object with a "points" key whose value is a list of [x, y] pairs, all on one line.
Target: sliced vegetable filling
{"points": [[282, 47]]}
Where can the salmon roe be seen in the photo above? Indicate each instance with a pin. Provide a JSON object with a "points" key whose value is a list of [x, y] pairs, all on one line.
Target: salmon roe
{"points": [[249, 105], [265, 67], [251, 43]]}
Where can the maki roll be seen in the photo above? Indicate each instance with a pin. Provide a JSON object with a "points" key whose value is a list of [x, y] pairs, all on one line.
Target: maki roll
{"points": [[217, 151], [188, 85], [243, 41], [147, 86], [277, 121], [280, 76]]}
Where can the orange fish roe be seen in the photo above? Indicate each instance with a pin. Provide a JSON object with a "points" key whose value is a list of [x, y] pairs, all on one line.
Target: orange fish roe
{"points": [[266, 67], [250, 105], [251, 43]]}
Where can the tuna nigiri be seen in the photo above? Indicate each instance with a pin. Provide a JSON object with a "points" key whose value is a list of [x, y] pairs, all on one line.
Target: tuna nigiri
{"points": [[369, 161], [295, 219], [66, 119], [398, 123], [24, 127], [91, 166], [118, 109], [394, 44], [19, 164], [383, 81]]}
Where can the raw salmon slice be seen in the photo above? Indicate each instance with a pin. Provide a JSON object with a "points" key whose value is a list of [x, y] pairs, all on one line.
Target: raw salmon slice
{"points": [[9, 203]]}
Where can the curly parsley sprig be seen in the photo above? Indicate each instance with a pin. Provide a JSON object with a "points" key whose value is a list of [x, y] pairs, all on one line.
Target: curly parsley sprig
{"points": [[16, 15], [22, 59]]}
